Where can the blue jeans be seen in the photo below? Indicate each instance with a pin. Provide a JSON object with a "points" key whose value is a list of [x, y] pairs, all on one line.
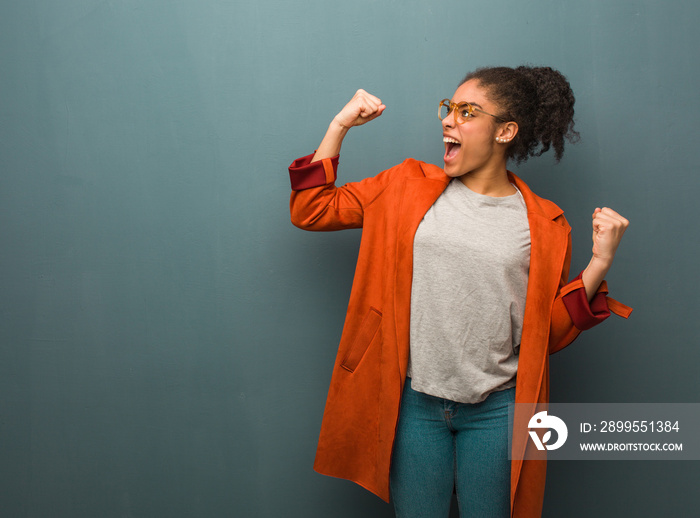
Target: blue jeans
{"points": [[442, 446]]}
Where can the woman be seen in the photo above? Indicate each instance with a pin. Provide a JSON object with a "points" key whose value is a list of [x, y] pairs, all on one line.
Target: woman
{"points": [[460, 294]]}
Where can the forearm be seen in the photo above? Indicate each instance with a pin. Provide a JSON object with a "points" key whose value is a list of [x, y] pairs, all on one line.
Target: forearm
{"points": [[332, 141], [594, 274], [608, 228]]}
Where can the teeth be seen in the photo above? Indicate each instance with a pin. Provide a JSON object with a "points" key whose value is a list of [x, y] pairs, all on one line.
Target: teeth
{"points": [[450, 140]]}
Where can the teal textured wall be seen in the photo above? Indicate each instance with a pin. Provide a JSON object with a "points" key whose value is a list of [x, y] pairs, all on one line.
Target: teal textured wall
{"points": [[167, 336]]}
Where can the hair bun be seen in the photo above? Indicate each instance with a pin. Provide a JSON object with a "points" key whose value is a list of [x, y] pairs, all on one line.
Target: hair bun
{"points": [[539, 100]]}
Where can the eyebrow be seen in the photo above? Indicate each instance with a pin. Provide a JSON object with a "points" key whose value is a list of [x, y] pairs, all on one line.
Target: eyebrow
{"points": [[472, 103]]}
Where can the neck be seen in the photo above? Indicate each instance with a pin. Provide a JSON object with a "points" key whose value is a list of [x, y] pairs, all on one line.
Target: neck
{"points": [[489, 183]]}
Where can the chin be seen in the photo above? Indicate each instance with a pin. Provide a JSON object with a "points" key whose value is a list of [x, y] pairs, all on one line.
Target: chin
{"points": [[452, 172]]}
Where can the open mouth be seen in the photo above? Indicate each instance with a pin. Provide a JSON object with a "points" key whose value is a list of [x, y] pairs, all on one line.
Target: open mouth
{"points": [[452, 147]]}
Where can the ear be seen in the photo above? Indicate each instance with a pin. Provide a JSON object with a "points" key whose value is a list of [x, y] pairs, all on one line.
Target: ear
{"points": [[506, 132]]}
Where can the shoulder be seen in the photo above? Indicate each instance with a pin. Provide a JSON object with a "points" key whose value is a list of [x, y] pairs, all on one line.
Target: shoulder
{"points": [[412, 168], [409, 169], [410, 174], [424, 169]]}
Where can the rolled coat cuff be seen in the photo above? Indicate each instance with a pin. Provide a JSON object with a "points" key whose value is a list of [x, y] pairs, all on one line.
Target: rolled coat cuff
{"points": [[587, 314], [305, 175]]}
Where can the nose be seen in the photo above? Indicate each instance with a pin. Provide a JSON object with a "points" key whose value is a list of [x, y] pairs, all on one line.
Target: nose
{"points": [[449, 120]]}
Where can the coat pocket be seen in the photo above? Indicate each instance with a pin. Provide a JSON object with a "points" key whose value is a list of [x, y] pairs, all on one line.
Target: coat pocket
{"points": [[365, 335]]}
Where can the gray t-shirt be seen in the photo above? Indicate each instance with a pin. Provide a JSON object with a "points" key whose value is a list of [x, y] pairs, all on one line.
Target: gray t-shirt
{"points": [[471, 257]]}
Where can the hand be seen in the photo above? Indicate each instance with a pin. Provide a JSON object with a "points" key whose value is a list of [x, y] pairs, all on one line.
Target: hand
{"points": [[362, 108], [608, 228]]}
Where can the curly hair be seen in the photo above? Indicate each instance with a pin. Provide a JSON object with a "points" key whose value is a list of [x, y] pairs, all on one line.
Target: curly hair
{"points": [[539, 100]]}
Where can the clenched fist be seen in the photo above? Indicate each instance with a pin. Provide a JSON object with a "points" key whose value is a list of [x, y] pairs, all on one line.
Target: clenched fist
{"points": [[362, 108], [608, 228]]}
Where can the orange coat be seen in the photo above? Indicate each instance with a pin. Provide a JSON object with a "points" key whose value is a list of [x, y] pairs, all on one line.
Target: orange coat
{"points": [[362, 408]]}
